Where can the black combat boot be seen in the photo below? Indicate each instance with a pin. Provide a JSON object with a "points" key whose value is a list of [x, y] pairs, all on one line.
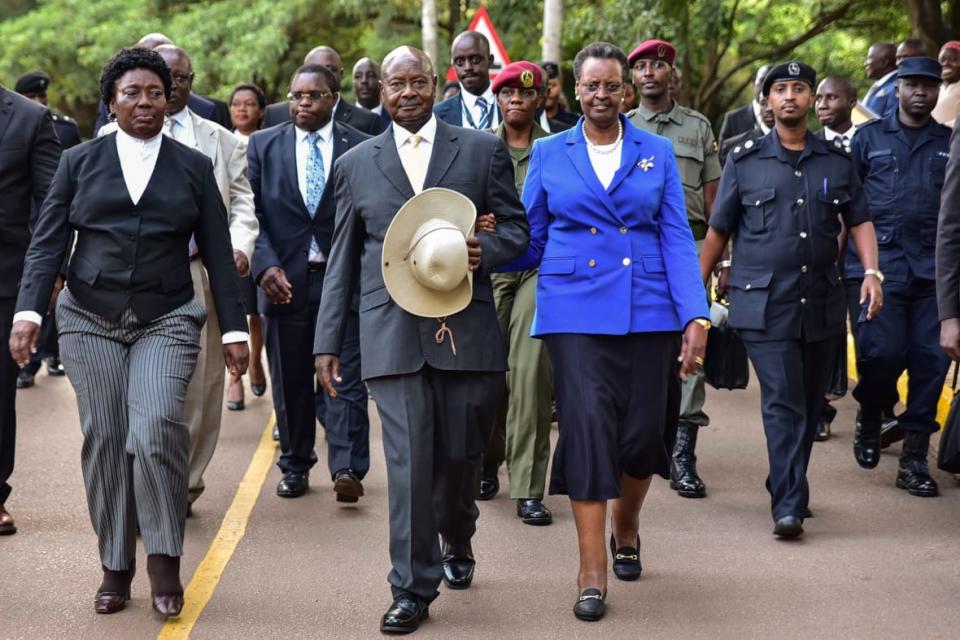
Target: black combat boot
{"points": [[914, 475], [683, 469]]}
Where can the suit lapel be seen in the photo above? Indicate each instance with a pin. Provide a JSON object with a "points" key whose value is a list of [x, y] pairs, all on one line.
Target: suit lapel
{"points": [[342, 113], [206, 138], [388, 161], [629, 156], [6, 110], [445, 149], [577, 152]]}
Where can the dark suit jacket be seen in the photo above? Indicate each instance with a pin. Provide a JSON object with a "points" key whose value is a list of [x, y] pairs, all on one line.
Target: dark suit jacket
{"points": [[451, 111], [208, 108], [285, 224], [736, 122], [29, 152], [948, 235], [127, 254], [371, 187], [357, 117]]}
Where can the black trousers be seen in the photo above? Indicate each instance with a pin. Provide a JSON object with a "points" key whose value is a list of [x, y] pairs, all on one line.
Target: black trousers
{"points": [[794, 376], [8, 397], [435, 428]]}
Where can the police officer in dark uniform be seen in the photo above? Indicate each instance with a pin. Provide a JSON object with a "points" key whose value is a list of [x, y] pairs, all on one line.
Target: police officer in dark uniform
{"points": [[782, 198], [902, 161], [34, 85]]}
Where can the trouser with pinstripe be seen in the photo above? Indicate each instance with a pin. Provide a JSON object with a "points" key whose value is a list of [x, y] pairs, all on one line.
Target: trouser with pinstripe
{"points": [[131, 378]]}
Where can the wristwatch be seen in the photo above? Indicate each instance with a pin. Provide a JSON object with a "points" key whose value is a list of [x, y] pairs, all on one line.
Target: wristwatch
{"points": [[703, 322], [874, 272]]}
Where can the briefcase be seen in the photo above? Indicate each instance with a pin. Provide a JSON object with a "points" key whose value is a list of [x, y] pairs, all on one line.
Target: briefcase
{"points": [[725, 364]]}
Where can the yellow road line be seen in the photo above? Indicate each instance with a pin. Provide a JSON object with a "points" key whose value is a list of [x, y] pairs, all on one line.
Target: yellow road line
{"points": [[946, 395], [234, 525]]}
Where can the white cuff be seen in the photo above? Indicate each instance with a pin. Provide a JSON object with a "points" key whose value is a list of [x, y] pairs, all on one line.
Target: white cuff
{"points": [[29, 316], [231, 337]]}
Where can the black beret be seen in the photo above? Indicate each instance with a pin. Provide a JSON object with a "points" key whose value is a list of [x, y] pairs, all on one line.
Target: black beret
{"points": [[920, 66], [33, 82], [792, 70]]}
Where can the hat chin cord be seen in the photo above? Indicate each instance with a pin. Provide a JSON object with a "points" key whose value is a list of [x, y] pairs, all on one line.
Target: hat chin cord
{"points": [[444, 331]]}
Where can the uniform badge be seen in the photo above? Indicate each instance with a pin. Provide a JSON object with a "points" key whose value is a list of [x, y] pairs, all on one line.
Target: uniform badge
{"points": [[646, 164], [661, 51], [526, 79], [748, 144], [793, 68]]}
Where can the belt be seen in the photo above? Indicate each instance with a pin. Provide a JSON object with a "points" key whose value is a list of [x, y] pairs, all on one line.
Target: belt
{"points": [[316, 266]]}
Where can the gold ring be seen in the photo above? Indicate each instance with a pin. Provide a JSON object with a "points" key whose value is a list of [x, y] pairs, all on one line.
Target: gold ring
{"points": [[698, 360]]}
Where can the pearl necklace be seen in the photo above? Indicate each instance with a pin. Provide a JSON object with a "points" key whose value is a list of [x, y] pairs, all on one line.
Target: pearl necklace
{"points": [[607, 148]]}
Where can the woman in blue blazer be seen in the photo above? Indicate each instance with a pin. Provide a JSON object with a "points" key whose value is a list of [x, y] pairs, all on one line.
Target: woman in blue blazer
{"points": [[619, 282]]}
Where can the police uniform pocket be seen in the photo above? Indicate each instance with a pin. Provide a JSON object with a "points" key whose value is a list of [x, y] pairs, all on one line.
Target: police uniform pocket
{"points": [[832, 204], [936, 172], [690, 164], [749, 293], [757, 207], [881, 180]]}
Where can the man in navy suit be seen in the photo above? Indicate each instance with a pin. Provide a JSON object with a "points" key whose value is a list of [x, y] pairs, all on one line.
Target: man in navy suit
{"points": [[290, 169], [881, 67], [366, 84], [475, 107]]}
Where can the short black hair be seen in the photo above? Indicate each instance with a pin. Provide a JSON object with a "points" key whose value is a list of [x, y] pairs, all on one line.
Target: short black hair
{"points": [[603, 51], [318, 69], [127, 60], [252, 88], [552, 69]]}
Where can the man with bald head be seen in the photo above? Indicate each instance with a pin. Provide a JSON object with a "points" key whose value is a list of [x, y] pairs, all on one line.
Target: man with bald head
{"points": [[343, 112], [366, 84], [204, 106], [475, 107], [910, 48], [881, 67], [436, 401]]}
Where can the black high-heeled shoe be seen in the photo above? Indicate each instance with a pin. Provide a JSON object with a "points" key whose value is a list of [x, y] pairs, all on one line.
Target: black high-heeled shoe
{"points": [[113, 599], [166, 590], [590, 605], [626, 560]]}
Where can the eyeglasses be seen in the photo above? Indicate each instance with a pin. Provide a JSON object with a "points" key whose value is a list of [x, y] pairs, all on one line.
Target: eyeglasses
{"points": [[309, 96], [611, 88], [506, 93]]}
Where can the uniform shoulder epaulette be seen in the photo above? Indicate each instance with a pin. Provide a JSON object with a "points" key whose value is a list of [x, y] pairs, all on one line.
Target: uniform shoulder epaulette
{"points": [[693, 113], [745, 148], [837, 146], [59, 117]]}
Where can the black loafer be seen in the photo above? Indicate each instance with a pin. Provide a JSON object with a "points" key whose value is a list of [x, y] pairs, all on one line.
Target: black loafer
{"points": [[533, 511], [626, 560], [823, 431], [866, 442], [458, 565], [293, 485], [405, 614], [347, 486], [489, 483], [590, 606], [788, 527]]}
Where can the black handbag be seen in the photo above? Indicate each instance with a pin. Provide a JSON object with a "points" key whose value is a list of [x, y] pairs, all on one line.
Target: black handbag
{"points": [[948, 457], [725, 364], [838, 377]]}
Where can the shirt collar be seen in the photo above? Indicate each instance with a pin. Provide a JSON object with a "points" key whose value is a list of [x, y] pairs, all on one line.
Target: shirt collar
{"points": [[326, 132], [126, 140], [673, 113], [470, 100], [428, 132], [182, 116], [830, 134]]}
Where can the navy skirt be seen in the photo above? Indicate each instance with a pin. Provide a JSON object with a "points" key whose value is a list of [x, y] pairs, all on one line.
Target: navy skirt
{"points": [[611, 405]]}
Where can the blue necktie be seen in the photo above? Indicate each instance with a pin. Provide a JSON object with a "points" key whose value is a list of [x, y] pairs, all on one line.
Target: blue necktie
{"points": [[316, 178], [484, 122]]}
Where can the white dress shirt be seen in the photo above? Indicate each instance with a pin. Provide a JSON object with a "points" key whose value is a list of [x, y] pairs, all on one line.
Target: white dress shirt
{"points": [[180, 127], [377, 109], [605, 165], [470, 105], [757, 110], [830, 134], [545, 122], [416, 159], [325, 144]]}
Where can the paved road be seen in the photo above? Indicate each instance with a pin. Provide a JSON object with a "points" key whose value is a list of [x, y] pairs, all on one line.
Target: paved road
{"points": [[875, 563]]}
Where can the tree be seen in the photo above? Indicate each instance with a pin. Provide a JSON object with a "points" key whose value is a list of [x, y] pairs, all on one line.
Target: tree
{"points": [[552, 28], [934, 21], [430, 29]]}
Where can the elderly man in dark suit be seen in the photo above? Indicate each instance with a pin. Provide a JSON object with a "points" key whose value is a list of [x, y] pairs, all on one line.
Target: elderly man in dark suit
{"points": [[436, 402], [745, 118], [29, 153], [343, 112], [475, 107], [290, 170]]}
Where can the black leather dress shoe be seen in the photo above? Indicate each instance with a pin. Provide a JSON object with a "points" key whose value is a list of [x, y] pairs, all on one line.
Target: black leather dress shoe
{"points": [[405, 614], [24, 380], [823, 430], [590, 606], [914, 477], [891, 432], [55, 367], [626, 560], [293, 485], [347, 486], [489, 483], [788, 527], [168, 605], [534, 512], [866, 441], [7, 526], [458, 565]]}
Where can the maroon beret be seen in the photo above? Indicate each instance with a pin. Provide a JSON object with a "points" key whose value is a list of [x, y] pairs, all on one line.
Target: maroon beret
{"points": [[656, 49], [522, 74]]}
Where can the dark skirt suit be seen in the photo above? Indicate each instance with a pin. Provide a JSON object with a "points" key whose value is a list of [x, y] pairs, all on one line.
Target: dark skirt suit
{"points": [[130, 327], [619, 280]]}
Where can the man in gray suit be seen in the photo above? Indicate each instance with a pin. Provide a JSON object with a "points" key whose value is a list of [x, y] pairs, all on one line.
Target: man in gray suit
{"points": [[436, 402]]}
